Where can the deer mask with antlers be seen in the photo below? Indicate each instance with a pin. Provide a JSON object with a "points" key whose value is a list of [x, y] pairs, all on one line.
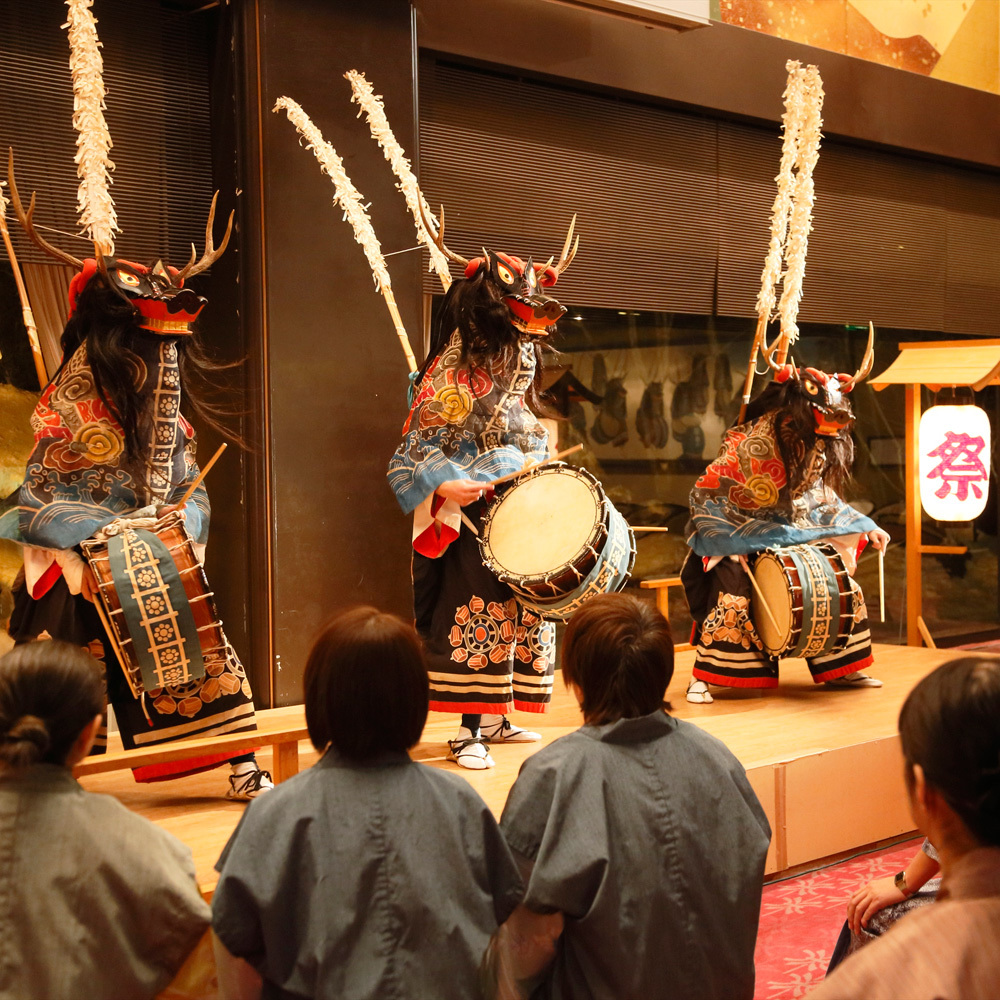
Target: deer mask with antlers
{"points": [[518, 283], [825, 394], [163, 304]]}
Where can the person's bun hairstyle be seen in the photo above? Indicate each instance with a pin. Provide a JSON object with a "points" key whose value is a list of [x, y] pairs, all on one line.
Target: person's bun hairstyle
{"points": [[49, 691]]}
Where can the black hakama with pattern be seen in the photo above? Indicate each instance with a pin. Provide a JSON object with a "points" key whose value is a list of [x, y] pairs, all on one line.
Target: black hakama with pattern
{"points": [[485, 651]]}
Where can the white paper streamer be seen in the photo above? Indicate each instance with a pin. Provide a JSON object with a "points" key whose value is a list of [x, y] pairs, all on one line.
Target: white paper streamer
{"points": [[93, 164], [378, 124], [347, 196], [800, 218]]}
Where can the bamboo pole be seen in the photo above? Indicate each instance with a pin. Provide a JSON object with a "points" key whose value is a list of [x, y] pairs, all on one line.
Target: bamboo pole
{"points": [[758, 340], [22, 293]]}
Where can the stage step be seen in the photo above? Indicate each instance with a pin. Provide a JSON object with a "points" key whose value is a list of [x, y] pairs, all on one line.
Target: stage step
{"points": [[279, 728]]}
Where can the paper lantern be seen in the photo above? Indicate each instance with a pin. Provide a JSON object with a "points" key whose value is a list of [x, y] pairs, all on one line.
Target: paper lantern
{"points": [[954, 445]]}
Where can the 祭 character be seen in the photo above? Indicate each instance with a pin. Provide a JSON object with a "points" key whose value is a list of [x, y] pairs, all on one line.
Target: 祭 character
{"points": [[471, 422], [111, 443], [774, 484]]}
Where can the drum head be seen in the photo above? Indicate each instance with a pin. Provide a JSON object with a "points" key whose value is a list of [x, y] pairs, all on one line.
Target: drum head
{"points": [[540, 524], [771, 579]]}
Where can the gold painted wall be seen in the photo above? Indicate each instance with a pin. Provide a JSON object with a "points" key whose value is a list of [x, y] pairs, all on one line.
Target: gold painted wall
{"points": [[953, 40]]}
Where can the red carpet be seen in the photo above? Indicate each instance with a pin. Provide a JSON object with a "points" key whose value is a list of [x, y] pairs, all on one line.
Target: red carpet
{"points": [[801, 918]]}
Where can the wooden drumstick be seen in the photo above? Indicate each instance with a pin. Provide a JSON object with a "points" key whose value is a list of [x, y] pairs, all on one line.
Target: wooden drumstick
{"points": [[760, 593], [201, 476], [469, 524], [881, 581], [535, 465], [646, 527]]}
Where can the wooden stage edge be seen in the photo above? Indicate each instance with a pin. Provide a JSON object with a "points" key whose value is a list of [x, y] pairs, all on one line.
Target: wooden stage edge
{"points": [[825, 763]]}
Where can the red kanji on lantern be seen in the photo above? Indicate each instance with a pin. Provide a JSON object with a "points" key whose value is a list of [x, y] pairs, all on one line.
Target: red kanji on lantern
{"points": [[960, 465]]}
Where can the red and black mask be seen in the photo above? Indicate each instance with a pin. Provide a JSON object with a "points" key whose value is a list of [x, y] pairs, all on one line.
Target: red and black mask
{"points": [[165, 307], [826, 395], [521, 286]]}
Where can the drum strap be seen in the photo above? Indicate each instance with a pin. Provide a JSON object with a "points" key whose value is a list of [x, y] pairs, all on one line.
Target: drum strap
{"points": [[156, 609]]}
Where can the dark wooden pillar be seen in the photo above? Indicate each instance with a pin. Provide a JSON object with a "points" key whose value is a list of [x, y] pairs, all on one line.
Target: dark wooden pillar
{"points": [[331, 375]]}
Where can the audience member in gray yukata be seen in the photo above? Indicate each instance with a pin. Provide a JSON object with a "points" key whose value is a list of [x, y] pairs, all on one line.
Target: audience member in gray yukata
{"points": [[641, 841], [369, 875], [951, 751], [95, 901]]}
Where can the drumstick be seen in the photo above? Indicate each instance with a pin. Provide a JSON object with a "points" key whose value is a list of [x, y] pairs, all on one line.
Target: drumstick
{"points": [[535, 465], [646, 527], [760, 594], [201, 475], [881, 581], [469, 524]]}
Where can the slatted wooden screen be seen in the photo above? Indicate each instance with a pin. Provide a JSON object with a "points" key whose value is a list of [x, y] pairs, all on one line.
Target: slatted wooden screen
{"points": [[675, 208], [156, 73], [512, 160]]}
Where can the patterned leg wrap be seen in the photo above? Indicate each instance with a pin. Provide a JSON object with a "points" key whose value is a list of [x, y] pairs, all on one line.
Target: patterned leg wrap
{"points": [[729, 651], [856, 655]]}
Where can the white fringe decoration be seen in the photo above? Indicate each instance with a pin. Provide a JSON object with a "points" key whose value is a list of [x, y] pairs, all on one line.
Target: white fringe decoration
{"points": [[378, 124], [93, 164], [800, 219], [790, 122], [347, 196]]}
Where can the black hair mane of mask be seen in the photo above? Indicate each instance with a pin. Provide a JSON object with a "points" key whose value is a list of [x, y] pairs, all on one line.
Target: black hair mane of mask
{"points": [[108, 323], [796, 431], [475, 307]]}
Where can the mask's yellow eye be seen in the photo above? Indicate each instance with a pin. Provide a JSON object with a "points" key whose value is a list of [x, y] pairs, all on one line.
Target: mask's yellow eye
{"points": [[505, 275], [811, 387], [128, 278]]}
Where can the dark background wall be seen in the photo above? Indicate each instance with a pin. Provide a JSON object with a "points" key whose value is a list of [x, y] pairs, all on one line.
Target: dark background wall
{"points": [[334, 377]]}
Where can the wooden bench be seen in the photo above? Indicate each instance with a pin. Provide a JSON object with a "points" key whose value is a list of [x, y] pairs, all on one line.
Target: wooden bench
{"points": [[279, 728], [662, 587]]}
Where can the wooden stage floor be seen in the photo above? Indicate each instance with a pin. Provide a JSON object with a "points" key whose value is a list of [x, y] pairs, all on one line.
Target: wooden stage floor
{"points": [[813, 755]]}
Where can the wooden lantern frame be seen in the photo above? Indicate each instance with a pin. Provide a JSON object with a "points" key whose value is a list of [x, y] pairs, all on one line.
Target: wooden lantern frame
{"points": [[974, 364]]}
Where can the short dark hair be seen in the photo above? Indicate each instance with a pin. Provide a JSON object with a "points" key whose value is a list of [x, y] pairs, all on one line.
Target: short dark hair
{"points": [[950, 726], [366, 687], [619, 652], [49, 691]]}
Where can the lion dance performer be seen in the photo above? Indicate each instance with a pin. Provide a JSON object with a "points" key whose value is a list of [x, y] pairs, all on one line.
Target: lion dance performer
{"points": [[774, 483], [113, 457], [470, 423], [111, 443]]}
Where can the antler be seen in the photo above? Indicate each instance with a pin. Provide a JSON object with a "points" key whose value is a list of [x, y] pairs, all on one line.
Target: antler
{"points": [[211, 255], [438, 236], [567, 255], [867, 362], [768, 353], [25, 218]]}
